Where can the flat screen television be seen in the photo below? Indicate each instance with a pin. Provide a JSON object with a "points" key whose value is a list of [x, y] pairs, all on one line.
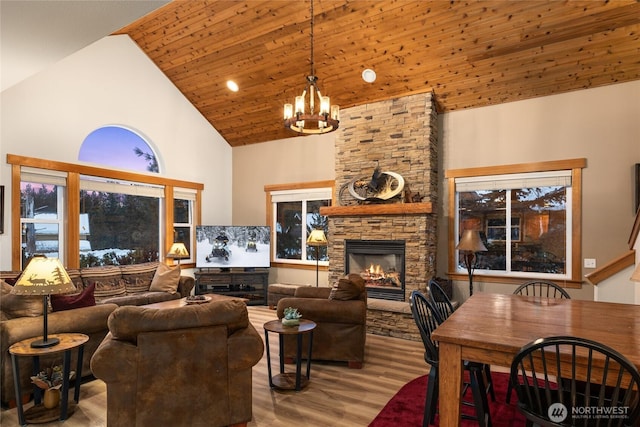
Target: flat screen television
{"points": [[233, 246]]}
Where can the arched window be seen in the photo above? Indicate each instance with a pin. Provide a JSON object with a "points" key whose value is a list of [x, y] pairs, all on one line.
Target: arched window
{"points": [[119, 147]]}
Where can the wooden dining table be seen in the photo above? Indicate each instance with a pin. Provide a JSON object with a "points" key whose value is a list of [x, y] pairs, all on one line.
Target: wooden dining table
{"points": [[491, 328]]}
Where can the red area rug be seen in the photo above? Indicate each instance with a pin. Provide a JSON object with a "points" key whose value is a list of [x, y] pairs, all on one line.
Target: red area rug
{"points": [[406, 408]]}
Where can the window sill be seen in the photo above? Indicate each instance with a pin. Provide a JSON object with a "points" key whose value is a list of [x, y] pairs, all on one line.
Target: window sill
{"points": [[485, 278]]}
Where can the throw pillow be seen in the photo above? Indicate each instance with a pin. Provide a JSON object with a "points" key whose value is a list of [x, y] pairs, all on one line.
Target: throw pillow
{"points": [[358, 280], [107, 279], [166, 279], [68, 302], [348, 288], [137, 277], [19, 305]]}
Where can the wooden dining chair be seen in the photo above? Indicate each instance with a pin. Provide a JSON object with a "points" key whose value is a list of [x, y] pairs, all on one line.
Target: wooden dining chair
{"points": [[542, 288], [440, 299], [427, 319], [567, 381], [441, 302], [538, 288]]}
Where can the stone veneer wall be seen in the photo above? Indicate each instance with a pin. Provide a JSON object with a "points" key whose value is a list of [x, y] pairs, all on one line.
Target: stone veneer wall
{"points": [[400, 134]]}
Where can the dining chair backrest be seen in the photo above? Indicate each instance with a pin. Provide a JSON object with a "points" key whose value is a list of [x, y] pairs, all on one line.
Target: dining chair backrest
{"points": [[560, 380], [542, 288], [440, 300], [427, 319]]}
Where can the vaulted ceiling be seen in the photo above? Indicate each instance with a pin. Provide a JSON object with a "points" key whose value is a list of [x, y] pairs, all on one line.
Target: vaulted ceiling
{"points": [[469, 53]]}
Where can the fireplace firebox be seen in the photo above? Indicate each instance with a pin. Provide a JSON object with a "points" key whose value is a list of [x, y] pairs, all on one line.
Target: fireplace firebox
{"points": [[380, 263]]}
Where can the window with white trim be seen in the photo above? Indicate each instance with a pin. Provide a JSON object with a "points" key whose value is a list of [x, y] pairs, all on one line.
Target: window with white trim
{"points": [[42, 198], [183, 225], [525, 220], [295, 213]]}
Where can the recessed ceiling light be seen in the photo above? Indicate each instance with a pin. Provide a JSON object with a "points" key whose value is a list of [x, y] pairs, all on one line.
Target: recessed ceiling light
{"points": [[369, 75], [233, 86]]}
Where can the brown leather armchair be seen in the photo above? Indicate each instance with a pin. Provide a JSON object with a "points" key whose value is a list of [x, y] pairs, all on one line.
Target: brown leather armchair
{"points": [[188, 365], [342, 324]]}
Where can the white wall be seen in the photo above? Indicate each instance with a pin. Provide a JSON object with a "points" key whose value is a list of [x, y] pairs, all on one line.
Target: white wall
{"points": [[617, 288], [112, 82]]}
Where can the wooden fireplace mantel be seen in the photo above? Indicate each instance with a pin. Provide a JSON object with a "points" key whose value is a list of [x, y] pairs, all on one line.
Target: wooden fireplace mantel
{"points": [[378, 209]]}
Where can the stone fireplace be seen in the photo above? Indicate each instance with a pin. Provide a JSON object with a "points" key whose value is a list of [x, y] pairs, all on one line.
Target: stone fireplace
{"points": [[399, 135]]}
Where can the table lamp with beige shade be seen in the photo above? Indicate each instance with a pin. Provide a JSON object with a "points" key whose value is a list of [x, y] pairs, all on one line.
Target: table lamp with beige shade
{"points": [[470, 243], [43, 276], [178, 251], [317, 238]]}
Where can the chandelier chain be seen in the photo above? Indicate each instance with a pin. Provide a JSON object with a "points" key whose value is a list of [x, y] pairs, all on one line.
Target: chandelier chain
{"points": [[312, 57]]}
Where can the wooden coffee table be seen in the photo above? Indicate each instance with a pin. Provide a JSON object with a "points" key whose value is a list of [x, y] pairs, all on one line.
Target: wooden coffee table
{"points": [[174, 303]]}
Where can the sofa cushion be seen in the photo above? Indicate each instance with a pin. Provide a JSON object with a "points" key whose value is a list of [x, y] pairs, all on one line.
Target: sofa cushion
{"points": [[68, 302], [165, 279], [141, 298], [108, 281], [19, 305], [154, 297], [137, 277], [348, 288]]}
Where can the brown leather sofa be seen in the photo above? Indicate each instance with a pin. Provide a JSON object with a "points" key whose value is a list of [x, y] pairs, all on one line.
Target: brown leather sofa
{"points": [[342, 323], [188, 365]]}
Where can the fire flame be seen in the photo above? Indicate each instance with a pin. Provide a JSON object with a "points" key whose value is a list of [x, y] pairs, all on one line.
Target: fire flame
{"points": [[376, 271], [375, 275]]}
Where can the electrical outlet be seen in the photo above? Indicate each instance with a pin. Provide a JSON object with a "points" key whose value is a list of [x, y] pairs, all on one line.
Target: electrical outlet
{"points": [[589, 263]]}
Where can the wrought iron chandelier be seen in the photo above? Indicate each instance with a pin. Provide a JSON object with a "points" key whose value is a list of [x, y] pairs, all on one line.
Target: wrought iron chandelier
{"points": [[325, 120]]}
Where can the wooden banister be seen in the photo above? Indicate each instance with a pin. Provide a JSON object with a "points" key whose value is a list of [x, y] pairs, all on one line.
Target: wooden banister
{"points": [[611, 268]]}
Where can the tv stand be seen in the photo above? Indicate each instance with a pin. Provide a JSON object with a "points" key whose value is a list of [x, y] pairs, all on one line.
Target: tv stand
{"points": [[251, 285]]}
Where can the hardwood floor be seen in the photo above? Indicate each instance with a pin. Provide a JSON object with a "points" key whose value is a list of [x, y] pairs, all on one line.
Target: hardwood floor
{"points": [[336, 395]]}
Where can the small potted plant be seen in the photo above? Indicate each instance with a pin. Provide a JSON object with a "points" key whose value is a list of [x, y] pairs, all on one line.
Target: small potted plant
{"points": [[50, 380], [291, 317]]}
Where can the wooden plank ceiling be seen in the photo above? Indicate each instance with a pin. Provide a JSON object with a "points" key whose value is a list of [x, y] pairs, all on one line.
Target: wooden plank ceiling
{"points": [[469, 53]]}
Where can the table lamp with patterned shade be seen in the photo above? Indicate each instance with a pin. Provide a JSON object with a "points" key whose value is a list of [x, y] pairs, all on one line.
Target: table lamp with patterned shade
{"points": [[317, 238], [469, 244], [43, 276], [178, 251]]}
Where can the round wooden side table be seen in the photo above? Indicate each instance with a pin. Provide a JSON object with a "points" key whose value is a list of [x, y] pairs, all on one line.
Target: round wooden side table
{"points": [[289, 380], [37, 413]]}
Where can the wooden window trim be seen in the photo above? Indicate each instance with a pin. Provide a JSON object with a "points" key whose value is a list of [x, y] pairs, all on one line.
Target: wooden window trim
{"points": [[575, 165], [72, 208]]}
